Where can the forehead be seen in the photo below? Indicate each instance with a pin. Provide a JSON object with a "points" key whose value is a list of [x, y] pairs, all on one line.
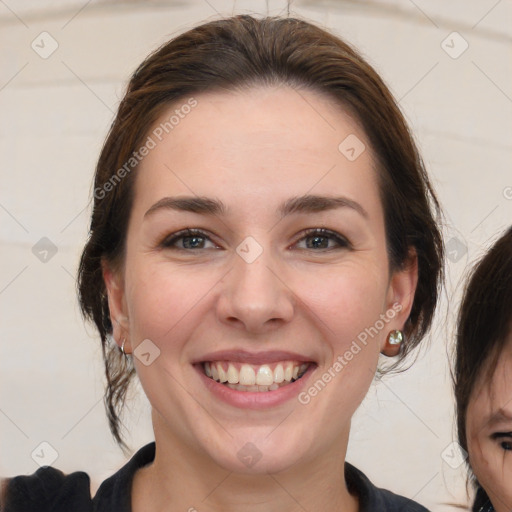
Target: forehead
{"points": [[259, 143]]}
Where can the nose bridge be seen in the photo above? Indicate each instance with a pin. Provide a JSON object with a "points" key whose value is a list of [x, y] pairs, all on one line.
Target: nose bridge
{"points": [[254, 293]]}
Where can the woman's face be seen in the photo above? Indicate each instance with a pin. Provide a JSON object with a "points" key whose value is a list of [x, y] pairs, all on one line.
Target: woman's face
{"points": [[489, 432], [284, 274]]}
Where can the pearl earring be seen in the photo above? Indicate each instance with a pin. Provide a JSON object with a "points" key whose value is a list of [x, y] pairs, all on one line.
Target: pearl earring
{"points": [[395, 337]]}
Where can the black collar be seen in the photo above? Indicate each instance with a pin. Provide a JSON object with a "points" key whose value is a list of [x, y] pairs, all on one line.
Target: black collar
{"points": [[114, 494]]}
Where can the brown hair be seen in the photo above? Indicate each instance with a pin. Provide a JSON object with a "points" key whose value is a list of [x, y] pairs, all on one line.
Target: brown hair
{"points": [[484, 323], [235, 54]]}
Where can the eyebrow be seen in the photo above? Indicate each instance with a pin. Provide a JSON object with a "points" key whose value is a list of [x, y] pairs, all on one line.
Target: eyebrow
{"points": [[302, 204], [501, 415]]}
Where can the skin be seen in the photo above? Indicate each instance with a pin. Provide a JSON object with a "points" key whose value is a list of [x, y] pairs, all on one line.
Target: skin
{"points": [[489, 431], [253, 150]]}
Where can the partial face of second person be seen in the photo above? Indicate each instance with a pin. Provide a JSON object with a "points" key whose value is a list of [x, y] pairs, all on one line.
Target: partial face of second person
{"points": [[489, 431], [289, 295]]}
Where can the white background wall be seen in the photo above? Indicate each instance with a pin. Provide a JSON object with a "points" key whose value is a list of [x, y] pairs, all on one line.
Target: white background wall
{"points": [[55, 113]]}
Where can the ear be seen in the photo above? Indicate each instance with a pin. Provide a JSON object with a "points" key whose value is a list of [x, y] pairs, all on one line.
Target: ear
{"points": [[400, 298], [114, 284]]}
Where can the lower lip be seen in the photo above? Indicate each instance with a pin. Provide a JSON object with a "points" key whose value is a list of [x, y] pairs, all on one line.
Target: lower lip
{"points": [[255, 399]]}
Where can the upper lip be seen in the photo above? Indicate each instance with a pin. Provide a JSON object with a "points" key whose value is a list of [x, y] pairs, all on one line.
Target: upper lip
{"points": [[243, 356]]}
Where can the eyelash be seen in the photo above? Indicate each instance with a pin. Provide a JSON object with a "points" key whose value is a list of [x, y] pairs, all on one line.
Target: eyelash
{"points": [[505, 445], [168, 242]]}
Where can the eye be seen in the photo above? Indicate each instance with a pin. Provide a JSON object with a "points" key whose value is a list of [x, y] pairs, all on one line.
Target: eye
{"points": [[187, 239], [504, 439], [323, 239], [507, 445], [315, 238]]}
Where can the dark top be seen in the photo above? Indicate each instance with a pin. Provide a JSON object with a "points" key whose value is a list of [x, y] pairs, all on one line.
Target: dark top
{"points": [[48, 489], [482, 502]]}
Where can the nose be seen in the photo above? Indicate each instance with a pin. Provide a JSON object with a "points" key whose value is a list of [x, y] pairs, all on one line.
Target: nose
{"points": [[255, 296]]}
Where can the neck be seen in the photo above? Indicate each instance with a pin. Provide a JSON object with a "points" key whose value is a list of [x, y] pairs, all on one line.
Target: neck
{"points": [[181, 478]]}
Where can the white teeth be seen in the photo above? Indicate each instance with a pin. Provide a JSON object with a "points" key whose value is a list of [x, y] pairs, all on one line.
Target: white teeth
{"points": [[265, 376], [288, 372], [240, 387], [250, 378], [232, 374], [279, 373], [223, 376], [247, 375]]}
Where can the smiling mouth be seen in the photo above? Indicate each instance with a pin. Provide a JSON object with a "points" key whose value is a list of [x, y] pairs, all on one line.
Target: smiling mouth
{"points": [[255, 378]]}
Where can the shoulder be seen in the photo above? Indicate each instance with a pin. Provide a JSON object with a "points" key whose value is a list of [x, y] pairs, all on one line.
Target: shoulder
{"points": [[48, 489], [374, 499], [114, 493]]}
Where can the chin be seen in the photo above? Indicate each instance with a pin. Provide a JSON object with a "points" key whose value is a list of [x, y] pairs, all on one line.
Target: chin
{"points": [[258, 454], [250, 461]]}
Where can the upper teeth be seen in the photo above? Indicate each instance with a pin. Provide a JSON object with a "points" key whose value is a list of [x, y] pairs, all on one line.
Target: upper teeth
{"points": [[249, 375]]}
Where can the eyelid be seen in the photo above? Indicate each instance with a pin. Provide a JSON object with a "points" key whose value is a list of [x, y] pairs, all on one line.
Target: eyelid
{"points": [[499, 435], [342, 240], [168, 239]]}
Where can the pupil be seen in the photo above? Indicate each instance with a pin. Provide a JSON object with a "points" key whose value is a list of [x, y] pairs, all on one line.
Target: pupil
{"points": [[319, 241], [192, 241]]}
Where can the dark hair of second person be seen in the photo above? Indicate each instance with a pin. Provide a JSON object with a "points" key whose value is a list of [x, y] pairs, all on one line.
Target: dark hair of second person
{"points": [[482, 390]]}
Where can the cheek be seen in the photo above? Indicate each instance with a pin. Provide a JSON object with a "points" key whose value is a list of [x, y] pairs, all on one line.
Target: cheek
{"points": [[493, 469], [349, 301], [160, 298], [347, 310], [491, 465], [488, 460]]}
